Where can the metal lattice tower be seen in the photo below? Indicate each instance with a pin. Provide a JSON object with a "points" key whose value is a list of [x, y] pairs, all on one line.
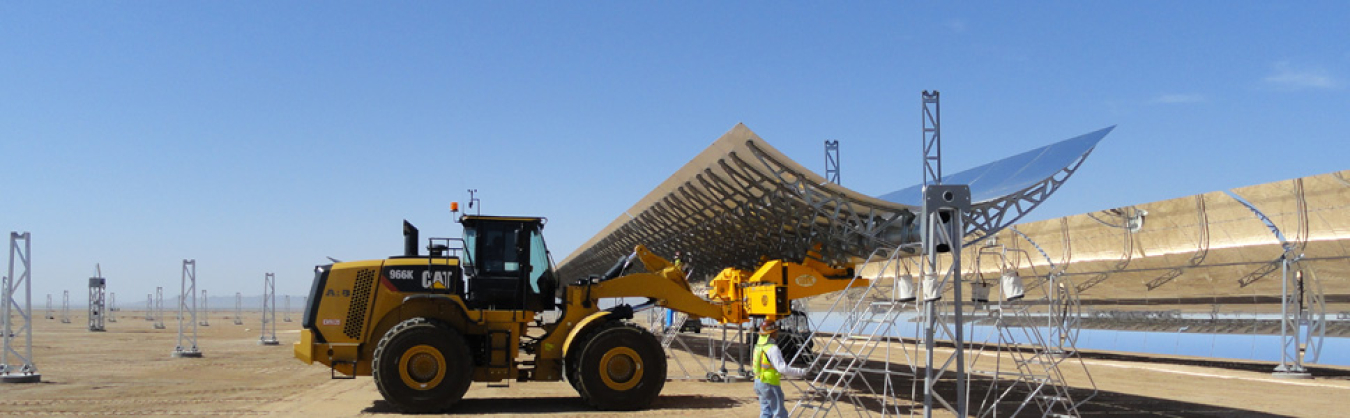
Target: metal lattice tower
{"points": [[98, 308], [112, 306], [65, 306], [159, 308], [286, 313], [149, 307], [944, 210], [16, 366], [832, 161], [187, 301], [942, 229], [206, 312], [51, 312], [269, 311], [932, 139], [238, 308], [847, 355]]}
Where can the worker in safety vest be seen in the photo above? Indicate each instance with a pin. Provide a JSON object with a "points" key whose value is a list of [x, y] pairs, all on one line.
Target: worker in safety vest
{"points": [[769, 370], [681, 265]]}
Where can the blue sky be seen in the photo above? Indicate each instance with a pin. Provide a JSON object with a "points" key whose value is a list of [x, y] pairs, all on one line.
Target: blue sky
{"points": [[261, 137]]}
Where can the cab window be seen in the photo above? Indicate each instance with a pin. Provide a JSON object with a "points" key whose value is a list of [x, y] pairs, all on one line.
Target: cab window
{"points": [[538, 259], [496, 255]]}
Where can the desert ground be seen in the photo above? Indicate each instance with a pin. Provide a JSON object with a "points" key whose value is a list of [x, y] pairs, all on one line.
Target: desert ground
{"points": [[128, 370]]}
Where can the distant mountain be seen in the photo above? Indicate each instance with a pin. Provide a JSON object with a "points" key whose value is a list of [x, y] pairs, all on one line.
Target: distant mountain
{"points": [[215, 303]]}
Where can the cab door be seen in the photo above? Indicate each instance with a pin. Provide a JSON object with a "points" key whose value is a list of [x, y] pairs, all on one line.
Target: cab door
{"points": [[501, 265]]}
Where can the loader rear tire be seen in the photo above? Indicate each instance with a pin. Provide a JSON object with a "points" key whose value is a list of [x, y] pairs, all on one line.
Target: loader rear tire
{"points": [[620, 367], [422, 366]]}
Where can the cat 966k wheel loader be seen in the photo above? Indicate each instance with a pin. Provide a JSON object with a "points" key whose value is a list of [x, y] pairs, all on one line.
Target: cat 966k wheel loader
{"points": [[426, 326]]}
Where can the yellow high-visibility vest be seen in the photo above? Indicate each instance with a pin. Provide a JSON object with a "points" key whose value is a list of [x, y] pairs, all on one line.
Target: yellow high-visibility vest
{"points": [[764, 370]]}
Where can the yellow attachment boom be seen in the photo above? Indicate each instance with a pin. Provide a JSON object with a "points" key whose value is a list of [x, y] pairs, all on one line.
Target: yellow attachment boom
{"points": [[769, 291]]}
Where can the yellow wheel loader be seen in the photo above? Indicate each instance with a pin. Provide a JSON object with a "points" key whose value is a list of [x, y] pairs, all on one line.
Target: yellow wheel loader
{"points": [[426, 326]]}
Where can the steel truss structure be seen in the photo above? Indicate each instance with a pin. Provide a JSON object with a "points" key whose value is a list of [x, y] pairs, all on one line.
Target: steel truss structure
{"points": [[741, 200], [942, 210], [16, 359], [187, 310], [65, 306], [269, 311], [932, 138], [832, 161], [112, 306], [159, 307], [238, 308], [98, 309], [206, 312]]}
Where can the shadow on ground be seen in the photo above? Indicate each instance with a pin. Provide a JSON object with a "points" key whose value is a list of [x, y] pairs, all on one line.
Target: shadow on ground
{"points": [[1018, 400], [561, 404], [1103, 404]]}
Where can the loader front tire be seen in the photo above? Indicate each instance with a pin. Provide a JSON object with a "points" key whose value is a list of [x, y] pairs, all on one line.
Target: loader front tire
{"points": [[621, 367], [422, 366]]}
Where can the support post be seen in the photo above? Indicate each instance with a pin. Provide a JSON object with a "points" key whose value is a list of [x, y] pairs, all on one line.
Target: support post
{"points": [[832, 161], [286, 313], [238, 308], [16, 361], [187, 310], [1291, 319], [112, 306], [159, 307], [942, 230], [65, 306], [206, 311], [932, 139], [98, 287], [269, 311], [944, 209]]}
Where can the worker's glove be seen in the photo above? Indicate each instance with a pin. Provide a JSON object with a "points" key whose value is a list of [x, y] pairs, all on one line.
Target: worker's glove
{"points": [[813, 370]]}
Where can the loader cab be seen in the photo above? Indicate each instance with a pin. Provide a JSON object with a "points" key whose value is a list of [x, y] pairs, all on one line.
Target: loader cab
{"points": [[508, 264]]}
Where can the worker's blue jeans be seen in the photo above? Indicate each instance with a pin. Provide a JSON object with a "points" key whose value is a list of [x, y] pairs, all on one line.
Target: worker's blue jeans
{"points": [[770, 400]]}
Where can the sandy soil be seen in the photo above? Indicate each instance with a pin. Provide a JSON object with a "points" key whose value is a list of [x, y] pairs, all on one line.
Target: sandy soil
{"points": [[128, 370]]}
